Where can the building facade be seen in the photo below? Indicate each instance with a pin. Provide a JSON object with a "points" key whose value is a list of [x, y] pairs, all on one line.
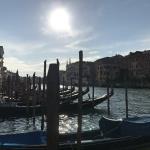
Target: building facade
{"points": [[138, 65], [134, 68], [72, 73], [108, 69]]}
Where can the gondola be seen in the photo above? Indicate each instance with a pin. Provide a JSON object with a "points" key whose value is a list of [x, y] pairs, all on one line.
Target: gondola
{"points": [[67, 98], [13, 109], [67, 91], [7, 111], [37, 141], [39, 137], [71, 97], [133, 126], [63, 89], [86, 104]]}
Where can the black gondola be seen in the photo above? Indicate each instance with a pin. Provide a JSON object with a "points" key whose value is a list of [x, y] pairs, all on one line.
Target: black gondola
{"points": [[86, 104]]}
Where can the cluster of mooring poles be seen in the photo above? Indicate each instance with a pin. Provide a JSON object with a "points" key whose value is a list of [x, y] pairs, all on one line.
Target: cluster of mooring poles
{"points": [[53, 105], [46, 92]]}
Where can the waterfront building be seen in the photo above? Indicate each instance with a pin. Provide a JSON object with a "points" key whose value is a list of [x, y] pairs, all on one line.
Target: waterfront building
{"points": [[108, 69], [72, 73], [138, 65], [62, 77]]}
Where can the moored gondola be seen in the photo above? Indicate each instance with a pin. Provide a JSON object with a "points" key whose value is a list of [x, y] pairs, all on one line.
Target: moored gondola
{"points": [[86, 104], [13, 109], [67, 91], [38, 142], [73, 96]]}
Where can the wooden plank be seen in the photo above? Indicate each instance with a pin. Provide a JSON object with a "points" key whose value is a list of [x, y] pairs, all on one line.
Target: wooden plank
{"points": [[52, 106]]}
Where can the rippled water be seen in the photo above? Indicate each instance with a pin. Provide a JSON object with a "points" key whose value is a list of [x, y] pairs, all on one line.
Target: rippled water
{"points": [[139, 104]]}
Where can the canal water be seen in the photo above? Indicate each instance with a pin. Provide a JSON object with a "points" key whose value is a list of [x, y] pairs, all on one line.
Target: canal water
{"points": [[139, 104]]}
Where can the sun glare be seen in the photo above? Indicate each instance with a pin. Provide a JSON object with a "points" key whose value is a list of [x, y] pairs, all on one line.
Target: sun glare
{"points": [[59, 20]]}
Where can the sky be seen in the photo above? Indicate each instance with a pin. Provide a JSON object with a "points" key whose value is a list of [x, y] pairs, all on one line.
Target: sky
{"points": [[100, 28]]}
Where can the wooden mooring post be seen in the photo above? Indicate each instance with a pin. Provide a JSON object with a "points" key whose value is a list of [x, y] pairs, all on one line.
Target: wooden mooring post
{"points": [[52, 107], [43, 96], [8, 85], [93, 91], [34, 98], [126, 90], [39, 90], [126, 101], [108, 100], [27, 97], [71, 88], [93, 82], [63, 84], [79, 130]]}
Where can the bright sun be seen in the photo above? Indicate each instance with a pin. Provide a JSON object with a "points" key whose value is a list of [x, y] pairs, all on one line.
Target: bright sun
{"points": [[59, 20]]}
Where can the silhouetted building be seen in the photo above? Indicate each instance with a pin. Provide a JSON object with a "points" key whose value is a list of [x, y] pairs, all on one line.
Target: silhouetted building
{"points": [[138, 65], [72, 72], [62, 77], [108, 69]]}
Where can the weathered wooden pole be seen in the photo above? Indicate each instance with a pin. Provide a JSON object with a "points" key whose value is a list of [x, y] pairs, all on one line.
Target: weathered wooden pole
{"points": [[11, 87], [71, 89], [79, 130], [33, 100], [43, 96], [39, 90], [63, 84], [16, 84], [126, 92], [44, 79], [93, 92], [52, 107], [27, 97], [8, 85], [108, 100], [126, 100], [93, 82]]}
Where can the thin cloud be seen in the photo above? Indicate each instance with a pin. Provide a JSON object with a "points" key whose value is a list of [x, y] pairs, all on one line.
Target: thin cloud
{"points": [[92, 58], [93, 52], [133, 45], [19, 47], [77, 43], [73, 33], [13, 63]]}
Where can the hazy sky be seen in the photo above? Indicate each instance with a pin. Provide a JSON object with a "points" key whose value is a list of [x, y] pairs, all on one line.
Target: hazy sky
{"points": [[98, 27]]}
